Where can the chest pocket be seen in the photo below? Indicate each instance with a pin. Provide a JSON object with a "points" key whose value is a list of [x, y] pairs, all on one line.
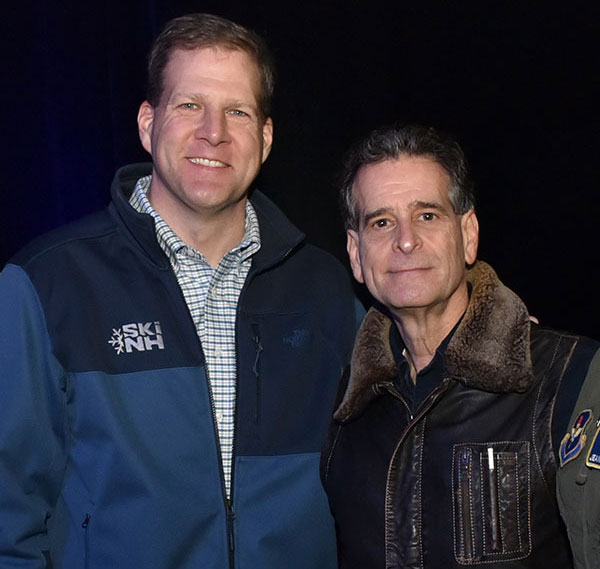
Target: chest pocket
{"points": [[491, 494]]}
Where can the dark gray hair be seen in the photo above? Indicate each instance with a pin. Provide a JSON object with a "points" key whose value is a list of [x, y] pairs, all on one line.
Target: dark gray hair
{"points": [[195, 31], [393, 142]]}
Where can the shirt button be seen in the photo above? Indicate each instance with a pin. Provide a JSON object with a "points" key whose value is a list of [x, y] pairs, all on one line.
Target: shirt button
{"points": [[218, 353], [219, 416]]}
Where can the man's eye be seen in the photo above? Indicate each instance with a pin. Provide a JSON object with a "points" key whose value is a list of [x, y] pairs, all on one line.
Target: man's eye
{"points": [[189, 106], [381, 223], [238, 113], [428, 216]]}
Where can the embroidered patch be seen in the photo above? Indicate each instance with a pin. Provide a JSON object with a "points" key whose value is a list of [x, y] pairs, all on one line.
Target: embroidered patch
{"points": [[593, 456], [572, 443], [137, 337]]}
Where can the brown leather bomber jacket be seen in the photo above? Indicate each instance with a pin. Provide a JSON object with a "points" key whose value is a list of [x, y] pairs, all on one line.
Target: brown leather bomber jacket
{"points": [[469, 480]]}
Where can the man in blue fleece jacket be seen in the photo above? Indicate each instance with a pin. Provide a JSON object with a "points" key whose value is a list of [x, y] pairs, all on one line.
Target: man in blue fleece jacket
{"points": [[169, 364]]}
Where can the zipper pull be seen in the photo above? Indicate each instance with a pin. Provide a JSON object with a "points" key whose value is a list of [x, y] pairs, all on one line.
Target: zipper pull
{"points": [[256, 369], [259, 348], [465, 460]]}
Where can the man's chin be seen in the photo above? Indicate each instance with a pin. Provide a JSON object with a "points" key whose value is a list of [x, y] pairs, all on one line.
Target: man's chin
{"points": [[406, 301]]}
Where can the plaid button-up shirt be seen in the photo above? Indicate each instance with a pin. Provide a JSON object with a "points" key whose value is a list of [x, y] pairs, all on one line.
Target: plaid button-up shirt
{"points": [[212, 296]]}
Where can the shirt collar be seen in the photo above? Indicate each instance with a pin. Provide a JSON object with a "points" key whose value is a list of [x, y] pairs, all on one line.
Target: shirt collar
{"points": [[172, 244]]}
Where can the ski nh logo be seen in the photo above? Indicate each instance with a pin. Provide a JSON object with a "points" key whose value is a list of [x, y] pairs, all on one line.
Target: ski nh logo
{"points": [[137, 337]]}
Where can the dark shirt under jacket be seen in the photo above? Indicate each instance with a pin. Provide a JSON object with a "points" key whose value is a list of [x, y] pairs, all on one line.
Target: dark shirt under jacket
{"points": [[427, 379], [433, 374]]}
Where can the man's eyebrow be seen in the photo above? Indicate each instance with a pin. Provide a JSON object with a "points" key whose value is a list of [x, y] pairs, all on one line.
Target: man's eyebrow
{"points": [[238, 101], [428, 205], [186, 95], [368, 216]]}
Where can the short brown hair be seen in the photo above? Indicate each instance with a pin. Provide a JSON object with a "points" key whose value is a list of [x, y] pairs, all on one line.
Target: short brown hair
{"points": [[195, 31]]}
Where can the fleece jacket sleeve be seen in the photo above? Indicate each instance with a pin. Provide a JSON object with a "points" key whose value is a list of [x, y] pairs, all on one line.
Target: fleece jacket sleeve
{"points": [[32, 423]]}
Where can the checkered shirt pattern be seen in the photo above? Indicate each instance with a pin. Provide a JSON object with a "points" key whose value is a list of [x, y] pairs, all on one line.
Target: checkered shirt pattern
{"points": [[212, 296]]}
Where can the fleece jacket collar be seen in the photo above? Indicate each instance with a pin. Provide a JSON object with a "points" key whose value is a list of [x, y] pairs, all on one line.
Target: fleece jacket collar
{"points": [[278, 235], [489, 350]]}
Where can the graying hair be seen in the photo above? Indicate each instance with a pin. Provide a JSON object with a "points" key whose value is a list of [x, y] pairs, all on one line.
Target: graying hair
{"points": [[393, 142]]}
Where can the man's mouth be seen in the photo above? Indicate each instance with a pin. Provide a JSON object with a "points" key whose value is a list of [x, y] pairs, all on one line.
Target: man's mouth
{"points": [[408, 270], [208, 162]]}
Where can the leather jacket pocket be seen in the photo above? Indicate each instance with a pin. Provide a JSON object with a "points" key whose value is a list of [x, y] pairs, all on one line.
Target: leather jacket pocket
{"points": [[491, 502]]}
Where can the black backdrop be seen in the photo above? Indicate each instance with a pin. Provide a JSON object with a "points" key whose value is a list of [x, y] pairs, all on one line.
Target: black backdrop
{"points": [[516, 82]]}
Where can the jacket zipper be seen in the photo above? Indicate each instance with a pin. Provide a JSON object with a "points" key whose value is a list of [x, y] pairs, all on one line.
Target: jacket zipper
{"points": [[390, 388], [425, 407], [230, 535], [227, 500]]}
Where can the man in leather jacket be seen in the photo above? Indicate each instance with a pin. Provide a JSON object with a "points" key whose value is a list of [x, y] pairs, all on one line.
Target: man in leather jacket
{"points": [[443, 448]]}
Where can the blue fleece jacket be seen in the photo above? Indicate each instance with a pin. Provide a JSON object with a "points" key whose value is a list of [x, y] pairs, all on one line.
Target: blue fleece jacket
{"points": [[108, 451]]}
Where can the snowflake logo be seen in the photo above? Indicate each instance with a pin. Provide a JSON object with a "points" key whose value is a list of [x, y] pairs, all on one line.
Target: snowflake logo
{"points": [[116, 340]]}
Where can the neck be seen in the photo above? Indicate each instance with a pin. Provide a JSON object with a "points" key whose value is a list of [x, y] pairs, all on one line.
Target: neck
{"points": [[213, 233], [211, 239], [424, 329]]}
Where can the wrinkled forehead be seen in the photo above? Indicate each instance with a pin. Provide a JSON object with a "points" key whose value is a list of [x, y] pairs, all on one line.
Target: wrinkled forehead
{"points": [[400, 180]]}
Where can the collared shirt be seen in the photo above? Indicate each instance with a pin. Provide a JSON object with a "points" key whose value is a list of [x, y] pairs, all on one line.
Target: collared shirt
{"points": [[427, 379], [212, 296], [415, 392]]}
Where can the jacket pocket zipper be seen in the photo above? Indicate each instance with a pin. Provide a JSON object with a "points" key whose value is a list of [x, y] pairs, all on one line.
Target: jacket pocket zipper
{"points": [[256, 371], [465, 502]]}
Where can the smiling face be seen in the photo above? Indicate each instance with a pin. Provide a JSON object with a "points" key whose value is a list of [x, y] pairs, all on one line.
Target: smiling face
{"points": [[206, 137], [411, 248]]}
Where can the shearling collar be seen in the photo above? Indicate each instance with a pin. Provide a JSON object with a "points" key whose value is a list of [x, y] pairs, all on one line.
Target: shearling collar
{"points": [[488, 351]]}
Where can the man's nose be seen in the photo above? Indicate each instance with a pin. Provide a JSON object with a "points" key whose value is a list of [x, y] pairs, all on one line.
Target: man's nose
{"points": [[213, 127], [406, 238]]}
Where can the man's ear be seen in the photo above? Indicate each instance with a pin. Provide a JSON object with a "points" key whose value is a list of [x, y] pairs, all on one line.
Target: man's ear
{"points": [[470, 234], [145, 121], [354, 255], [267, 134]]}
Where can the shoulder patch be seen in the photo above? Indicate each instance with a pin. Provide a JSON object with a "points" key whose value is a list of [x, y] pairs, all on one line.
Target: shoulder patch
{"points": [[593, 456], [572, 443]]}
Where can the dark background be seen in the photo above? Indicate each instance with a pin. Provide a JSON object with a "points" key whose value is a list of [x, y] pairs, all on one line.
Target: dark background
{"points": [[516, 82]]}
